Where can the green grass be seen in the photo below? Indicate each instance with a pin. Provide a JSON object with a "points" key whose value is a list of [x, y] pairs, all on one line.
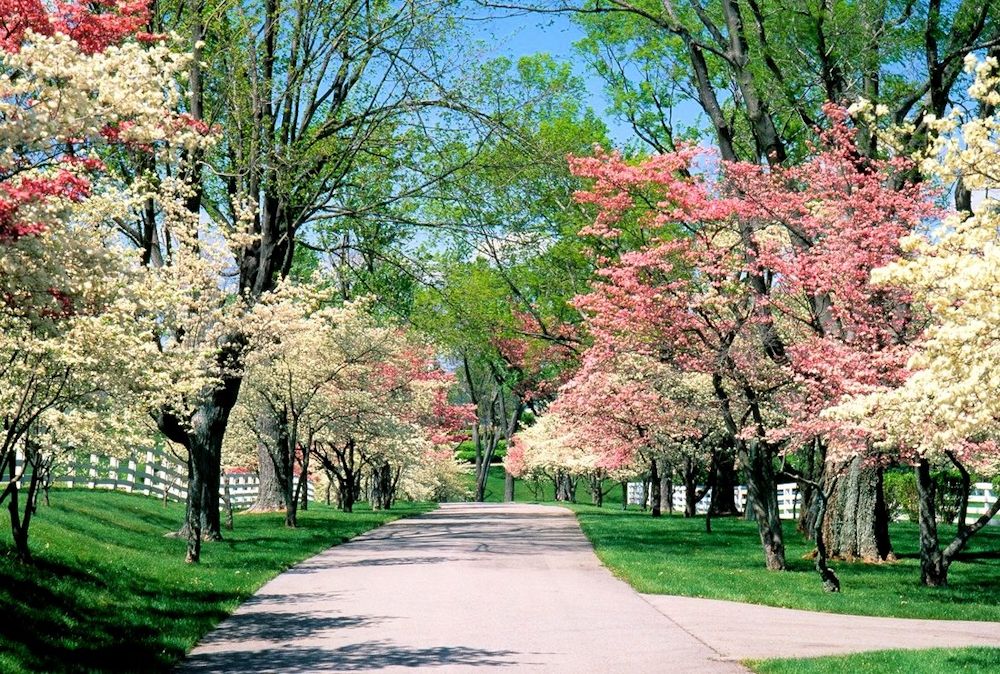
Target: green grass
{"points": [[109, 593], [673, 555], [931, 661], [539, 491]]}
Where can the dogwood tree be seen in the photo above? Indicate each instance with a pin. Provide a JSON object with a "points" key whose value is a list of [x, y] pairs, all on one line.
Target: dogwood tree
{"points": [[946, 410], [330, 381], [554, 448], [757, 278], [76, 313]]}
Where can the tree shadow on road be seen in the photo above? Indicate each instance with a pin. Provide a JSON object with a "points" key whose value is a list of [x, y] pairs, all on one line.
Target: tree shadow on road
{"points": [[366, 656], [281, 626], [314, 565], [510, 533]]}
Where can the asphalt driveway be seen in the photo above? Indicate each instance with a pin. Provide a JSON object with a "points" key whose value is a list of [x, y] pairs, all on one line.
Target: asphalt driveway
{"points": [[475, 587]]}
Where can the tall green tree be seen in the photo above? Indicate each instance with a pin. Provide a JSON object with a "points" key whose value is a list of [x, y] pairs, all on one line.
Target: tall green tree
{"points": [[510, 259], [328, 111]]}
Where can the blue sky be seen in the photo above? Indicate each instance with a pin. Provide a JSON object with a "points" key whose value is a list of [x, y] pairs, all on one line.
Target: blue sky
{"points": [[554, 34]]}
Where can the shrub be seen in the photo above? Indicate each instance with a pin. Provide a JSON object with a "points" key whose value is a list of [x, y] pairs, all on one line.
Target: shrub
{"points": [[901, 494], [467, 451]]}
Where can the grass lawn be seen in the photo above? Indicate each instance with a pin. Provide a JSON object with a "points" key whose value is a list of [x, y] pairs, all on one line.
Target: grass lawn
{"points": [[932, 661], [540, 491], [109, 593], [673, 555]]}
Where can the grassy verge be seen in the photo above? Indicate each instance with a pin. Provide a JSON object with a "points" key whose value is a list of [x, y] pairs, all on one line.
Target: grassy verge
{"points": [[673, 555], [109, 593], [931, 661], [540, 491]]}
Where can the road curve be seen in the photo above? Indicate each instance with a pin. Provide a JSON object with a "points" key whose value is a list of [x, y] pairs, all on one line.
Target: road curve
{"points": [[475, 587], [466, 588]]}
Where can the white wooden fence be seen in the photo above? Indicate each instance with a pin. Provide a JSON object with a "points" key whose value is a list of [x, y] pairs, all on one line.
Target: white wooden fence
{"points": [[981, 497], [152, 475]]}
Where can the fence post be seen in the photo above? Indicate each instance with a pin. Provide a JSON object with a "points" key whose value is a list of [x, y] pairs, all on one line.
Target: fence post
{"points": [[92, 472], [130, 474], [147, 481]]}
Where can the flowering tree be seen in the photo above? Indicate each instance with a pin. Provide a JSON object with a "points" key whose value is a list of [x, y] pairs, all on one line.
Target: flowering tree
{"points": [[76, 313], [946, 410], [555, 447], [640, 413], [757, 278], [330, 382], [292, 356]]}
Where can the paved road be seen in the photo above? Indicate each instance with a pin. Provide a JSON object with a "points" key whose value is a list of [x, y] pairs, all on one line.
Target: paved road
{"points": [[517, 588]]}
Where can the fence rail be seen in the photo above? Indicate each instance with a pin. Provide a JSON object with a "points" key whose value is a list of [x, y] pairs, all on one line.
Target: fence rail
{"points": [[151, 474], [981, 497]]}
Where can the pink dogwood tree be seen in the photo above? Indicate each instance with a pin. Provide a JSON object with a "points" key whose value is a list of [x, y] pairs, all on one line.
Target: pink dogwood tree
{"points": [[758, 278]]}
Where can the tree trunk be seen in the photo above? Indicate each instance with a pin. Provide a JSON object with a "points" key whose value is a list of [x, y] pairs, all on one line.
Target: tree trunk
{"points": [[624, 486], [270, 497], [477, 442], [690, 487], [597, 489], [856, 525], [382, 493], [193, 525], [20, 522], [202, 435], [483, 467], [762, 494], [666, 489], [831, 583], [508, 487], [303, 485], [933, 569], [809, 505], [227, 499], [654, 485], [565, 488], [749, 514], [724, 487], [347, 493]]}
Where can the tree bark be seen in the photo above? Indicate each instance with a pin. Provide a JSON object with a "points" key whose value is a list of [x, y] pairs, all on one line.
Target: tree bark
{"points": [[565, 487], [383, 483], [21, 522], [286, 468], [762, 494], [227, 499], [763, 497], [690, 487], [270, 497], [666, 489], [856, 525], [346, 493], [831, 583], [933, 569], [654, 486], [596, 488], [508, 487], [303, 484], [808, 500], [202, 436], [724, 488]]}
